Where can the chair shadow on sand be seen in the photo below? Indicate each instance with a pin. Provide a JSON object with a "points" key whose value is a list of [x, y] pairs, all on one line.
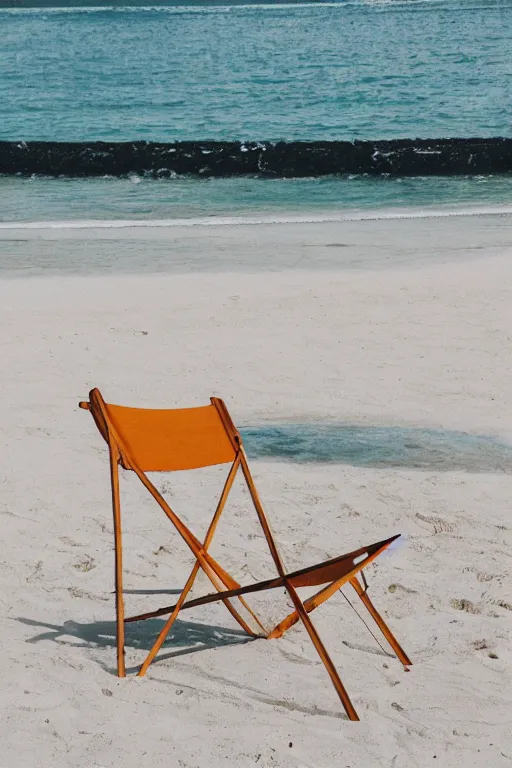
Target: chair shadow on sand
{"points": [[185, 637]]}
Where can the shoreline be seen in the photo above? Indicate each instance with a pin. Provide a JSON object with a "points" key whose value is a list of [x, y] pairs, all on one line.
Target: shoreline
{"points": [[243, 246], [219, 220]]}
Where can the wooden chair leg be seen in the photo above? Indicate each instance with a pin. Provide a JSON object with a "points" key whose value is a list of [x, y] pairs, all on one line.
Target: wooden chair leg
{"points": [[399, 651], [170, 621], [299, 607], [168, 624], [322, 652], [114, 474], [207, 563], [190, 581], [209, 536], [231, 608]]}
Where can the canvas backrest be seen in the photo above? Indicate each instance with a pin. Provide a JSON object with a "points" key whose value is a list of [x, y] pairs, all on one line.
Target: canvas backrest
{"points": [[167, 440]]}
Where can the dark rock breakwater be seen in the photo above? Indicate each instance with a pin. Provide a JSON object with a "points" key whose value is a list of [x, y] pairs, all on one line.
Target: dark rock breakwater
{"points": [[398, 157]]}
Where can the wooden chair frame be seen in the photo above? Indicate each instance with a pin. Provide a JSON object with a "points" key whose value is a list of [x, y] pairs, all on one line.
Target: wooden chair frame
{"points": [[332, 573]]}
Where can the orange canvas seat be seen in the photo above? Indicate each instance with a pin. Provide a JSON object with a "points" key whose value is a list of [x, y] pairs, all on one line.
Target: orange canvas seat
{"points": [[147, 440]]}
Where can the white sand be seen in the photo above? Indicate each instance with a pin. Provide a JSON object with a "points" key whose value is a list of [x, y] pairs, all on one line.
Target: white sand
{"points": [[426, 345]]}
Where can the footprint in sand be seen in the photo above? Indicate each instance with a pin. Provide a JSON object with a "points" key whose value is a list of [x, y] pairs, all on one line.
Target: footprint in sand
{"points": [[503, 604], [85, 565], [438, 525], [464, 605]]}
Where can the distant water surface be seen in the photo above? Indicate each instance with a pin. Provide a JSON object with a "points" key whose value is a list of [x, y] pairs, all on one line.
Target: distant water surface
{"points": [[305, 71], [336, 70]]}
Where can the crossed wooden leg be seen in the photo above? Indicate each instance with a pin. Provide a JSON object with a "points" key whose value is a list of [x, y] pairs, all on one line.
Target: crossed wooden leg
{"points": [[349, 565], [299, 606], [324, 594], [216, 576], [170, 621], [322, 652]]}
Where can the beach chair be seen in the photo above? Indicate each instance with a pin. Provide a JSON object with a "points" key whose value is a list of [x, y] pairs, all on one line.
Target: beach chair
{"points": [[147, 440]]}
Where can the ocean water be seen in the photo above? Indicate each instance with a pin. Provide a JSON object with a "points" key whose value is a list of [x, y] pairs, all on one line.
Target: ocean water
{"points": [[307, 71], [337, 70], [136, 198]]}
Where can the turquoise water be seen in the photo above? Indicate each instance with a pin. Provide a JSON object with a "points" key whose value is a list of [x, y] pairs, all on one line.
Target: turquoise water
{"points": [[371, 446], [141, 198], [312, 71], [340, 70]]}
